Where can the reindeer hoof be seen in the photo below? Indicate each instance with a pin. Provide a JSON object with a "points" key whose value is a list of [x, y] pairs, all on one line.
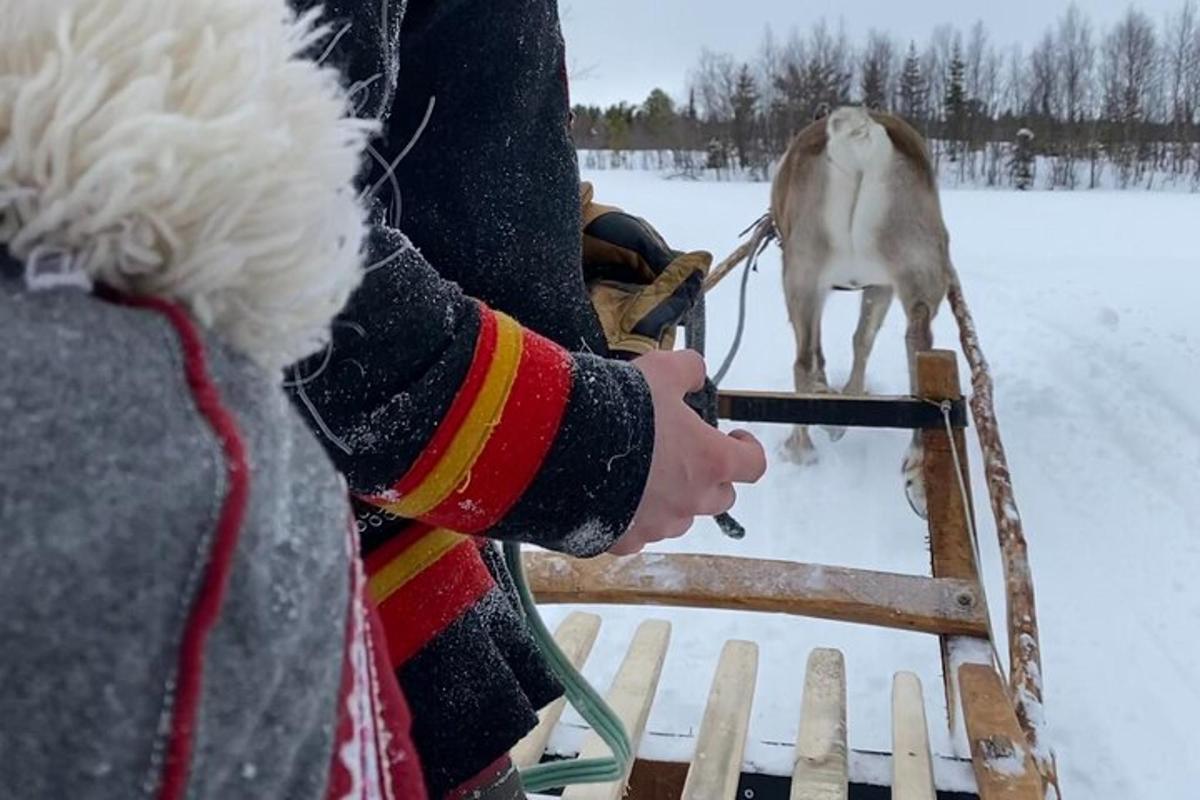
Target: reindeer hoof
{"points": [[914, 481], [803, 458], [799, 449], [835, 432], [914, 490]]}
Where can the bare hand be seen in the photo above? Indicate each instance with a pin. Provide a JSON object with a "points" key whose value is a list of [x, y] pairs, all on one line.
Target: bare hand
{"points": [[694, 466]]}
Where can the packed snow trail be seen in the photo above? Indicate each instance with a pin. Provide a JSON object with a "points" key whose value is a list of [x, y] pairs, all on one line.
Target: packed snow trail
{"points": [[1086, 307]]}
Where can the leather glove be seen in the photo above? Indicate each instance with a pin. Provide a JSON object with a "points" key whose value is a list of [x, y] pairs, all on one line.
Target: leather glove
{"points": [[640, 287]]}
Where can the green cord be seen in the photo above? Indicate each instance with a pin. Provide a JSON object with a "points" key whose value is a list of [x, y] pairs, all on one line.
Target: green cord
{"points": [[580, 694]]}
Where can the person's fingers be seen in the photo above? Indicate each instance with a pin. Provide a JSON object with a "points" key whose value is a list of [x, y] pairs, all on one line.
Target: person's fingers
{"points": [[632, 541], [718, 500], [678, 528], [742, 435], [626, 546], [642, 534], [727, 458], [749, 459], [688, 372]]}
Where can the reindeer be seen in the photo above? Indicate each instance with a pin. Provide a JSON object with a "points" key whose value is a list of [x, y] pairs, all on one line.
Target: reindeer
{"points": [[855, 205]]}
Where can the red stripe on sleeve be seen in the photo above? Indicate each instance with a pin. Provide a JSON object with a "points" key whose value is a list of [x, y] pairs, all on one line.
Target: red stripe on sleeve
{"points": [[518, 444], [409, 535], [485, 348], [431, 600]]}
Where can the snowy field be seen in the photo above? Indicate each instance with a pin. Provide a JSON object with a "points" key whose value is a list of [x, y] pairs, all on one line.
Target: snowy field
{"points": [[1086, 305]]}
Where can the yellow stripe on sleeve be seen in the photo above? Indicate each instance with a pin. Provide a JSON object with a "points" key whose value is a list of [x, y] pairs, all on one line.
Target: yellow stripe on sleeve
{"points": [[455, 465], [401, 569]]}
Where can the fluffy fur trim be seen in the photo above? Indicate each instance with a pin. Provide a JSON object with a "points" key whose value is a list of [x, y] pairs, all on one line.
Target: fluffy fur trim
{"points": [[186, 149]]}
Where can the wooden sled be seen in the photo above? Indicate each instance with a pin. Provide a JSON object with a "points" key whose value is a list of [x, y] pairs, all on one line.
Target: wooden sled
{"points": [[1005, 762]]}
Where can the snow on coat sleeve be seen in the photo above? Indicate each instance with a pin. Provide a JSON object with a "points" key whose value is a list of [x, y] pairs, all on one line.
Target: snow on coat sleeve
{"points": [[440, 409]]}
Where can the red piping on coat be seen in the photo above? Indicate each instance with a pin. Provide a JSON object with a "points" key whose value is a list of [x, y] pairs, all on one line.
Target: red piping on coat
{"points": [[206, 607]]}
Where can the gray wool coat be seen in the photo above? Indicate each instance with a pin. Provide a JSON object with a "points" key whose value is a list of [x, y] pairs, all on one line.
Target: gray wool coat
{"points": [[110, 485]]}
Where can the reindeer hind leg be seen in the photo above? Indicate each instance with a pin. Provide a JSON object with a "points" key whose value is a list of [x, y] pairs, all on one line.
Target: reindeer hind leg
{"points": [[918, 338], [804, 309], [875, 303], [876, 300]]}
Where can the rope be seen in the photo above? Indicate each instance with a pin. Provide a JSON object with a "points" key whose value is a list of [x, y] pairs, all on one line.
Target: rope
{"points": [[696, 327], [764, 230], [737, 334], [764, 234], [945, 406], [580, 694]]}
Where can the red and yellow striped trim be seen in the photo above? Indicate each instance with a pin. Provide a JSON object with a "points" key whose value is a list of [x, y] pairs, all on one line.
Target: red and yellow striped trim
{"points": [[423, 581], [392, 570], [495, 436]]}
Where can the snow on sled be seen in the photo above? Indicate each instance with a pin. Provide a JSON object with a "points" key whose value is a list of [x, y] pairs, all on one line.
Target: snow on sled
{"points": [[1000, 714]]}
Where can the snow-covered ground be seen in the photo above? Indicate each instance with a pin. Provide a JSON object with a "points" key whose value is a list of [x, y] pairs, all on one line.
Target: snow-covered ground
{"points": [[1086, 304]]}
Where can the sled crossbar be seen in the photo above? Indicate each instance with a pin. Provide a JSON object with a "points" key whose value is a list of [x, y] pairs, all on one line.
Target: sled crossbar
{"points": [[906, 413], [904, 602]]}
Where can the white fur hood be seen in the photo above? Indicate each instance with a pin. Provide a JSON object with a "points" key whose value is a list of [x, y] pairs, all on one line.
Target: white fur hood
{"points": [[185, 149]]}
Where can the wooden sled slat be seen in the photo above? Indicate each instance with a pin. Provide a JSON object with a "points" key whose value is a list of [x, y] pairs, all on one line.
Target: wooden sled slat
{"points": [[631, 696], [1004, 768], [905, 602], [717, 764], [575, 636], [951, 551], [821, 770], [912, 761]]}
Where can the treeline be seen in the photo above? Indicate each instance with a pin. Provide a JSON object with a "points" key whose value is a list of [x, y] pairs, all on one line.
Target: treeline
{"points": [[1122, 101]]}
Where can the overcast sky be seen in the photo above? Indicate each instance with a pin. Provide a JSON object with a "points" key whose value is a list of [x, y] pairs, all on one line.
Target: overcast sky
{"points": [[621, 49]]}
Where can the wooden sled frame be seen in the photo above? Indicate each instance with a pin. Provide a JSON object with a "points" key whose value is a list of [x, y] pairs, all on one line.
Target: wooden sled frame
{"points": [[950, 603]]}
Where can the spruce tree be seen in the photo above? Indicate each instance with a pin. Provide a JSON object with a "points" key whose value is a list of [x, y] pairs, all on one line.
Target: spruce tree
{"points": [[913, 89], [876, 67], [745, 102], [658, 114], [956, 102], [873, 88]]}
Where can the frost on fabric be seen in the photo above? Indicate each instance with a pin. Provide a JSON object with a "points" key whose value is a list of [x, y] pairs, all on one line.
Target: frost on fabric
{"points": [[593, 536], [365, 40], [389, 496]]}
